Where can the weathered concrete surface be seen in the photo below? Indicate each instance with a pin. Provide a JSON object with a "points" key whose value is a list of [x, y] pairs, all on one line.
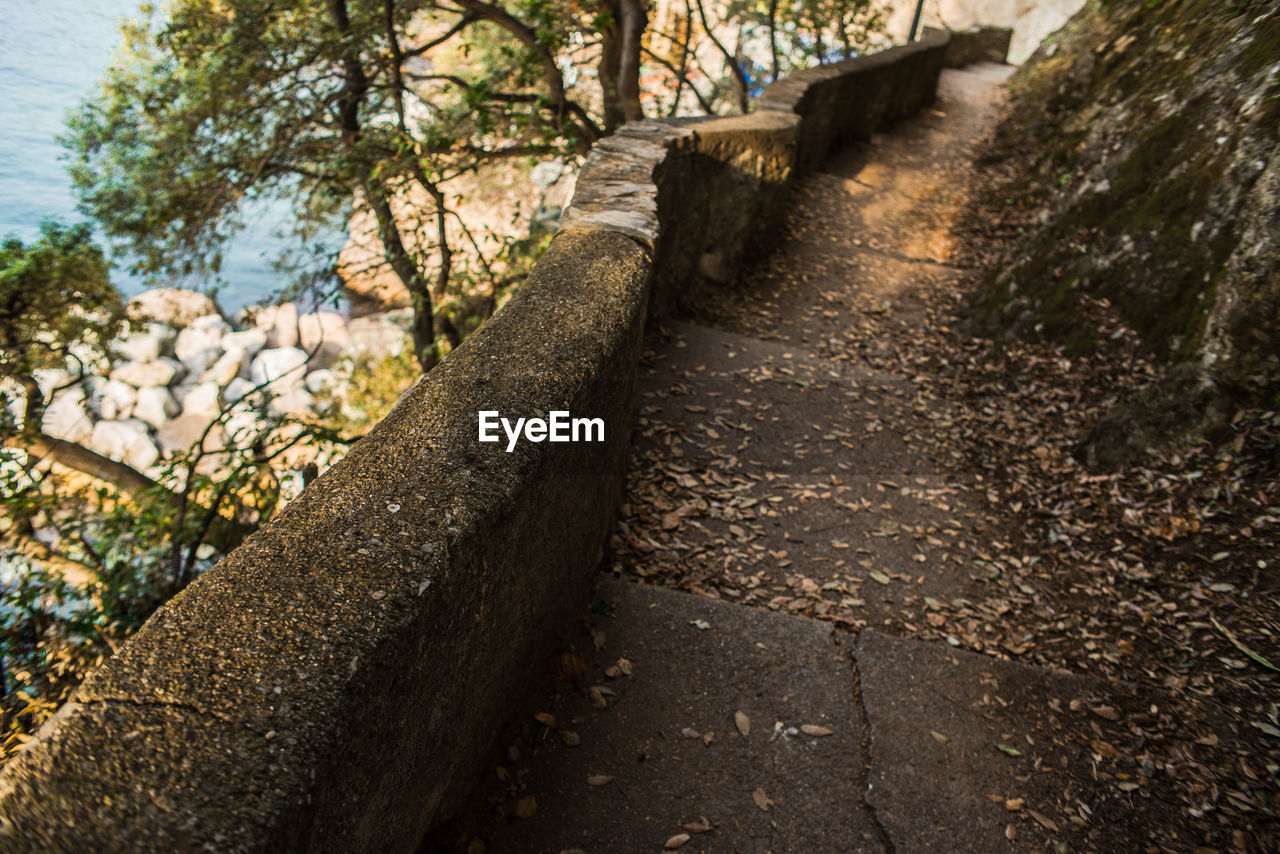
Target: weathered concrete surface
{"points": [[855, 98], [669, 738], [326, 685], [709, 195]]}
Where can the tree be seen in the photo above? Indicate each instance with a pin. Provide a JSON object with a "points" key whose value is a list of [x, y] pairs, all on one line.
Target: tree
{"points": [[351, 106], [332, 105]]}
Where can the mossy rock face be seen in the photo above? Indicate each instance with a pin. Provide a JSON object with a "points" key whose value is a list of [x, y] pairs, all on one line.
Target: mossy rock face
{"points": [[1155, 154]]}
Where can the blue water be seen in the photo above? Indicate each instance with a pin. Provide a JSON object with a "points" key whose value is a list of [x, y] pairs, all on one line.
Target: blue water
{"points": [[51, 53]]}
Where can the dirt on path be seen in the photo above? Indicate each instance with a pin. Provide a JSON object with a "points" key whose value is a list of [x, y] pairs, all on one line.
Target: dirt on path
{"points": [[945, 635]]}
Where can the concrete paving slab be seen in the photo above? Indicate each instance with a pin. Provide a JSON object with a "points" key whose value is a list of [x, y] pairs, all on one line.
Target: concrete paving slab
{"points": [[970, 754], [709, 396], [672, 744]]}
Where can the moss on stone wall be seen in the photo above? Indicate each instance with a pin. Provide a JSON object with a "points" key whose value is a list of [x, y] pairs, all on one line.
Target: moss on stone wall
{"points": [[1144, 132]]}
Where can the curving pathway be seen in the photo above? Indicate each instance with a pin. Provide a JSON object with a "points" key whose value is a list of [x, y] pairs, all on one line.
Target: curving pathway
{"points": [[784, 472]]}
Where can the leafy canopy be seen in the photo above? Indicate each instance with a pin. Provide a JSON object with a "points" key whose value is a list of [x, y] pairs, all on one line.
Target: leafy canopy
{"points": [[54, 295]]}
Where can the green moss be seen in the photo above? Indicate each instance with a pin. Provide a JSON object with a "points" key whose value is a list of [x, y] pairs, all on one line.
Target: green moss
{"points": [[1263, 50], [1146, 57]]}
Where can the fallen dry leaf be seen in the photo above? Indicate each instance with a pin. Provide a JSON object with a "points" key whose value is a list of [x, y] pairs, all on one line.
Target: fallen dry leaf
{"points": [[762, 800], [815, 730], [572, 666], [697, 826], [526, 807], [599, 779], [1013, 804], [1048, 823], [677, 841]]}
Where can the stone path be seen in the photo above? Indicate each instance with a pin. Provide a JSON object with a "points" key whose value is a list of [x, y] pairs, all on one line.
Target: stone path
{"points": [[784, 470]]}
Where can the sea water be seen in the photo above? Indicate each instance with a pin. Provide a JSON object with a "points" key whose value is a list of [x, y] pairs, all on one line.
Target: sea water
{"points": [[51, 54]]}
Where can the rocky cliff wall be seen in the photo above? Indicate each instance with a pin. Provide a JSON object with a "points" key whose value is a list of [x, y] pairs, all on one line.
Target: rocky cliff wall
{"points": [[1030, 20], [1155, 174]]}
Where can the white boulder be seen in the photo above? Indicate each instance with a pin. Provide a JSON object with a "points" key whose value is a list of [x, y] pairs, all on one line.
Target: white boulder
{"points": [[227, 367], [162, 371], [210, 323], [66, 418], [174, 306], [85, 358], [51, 379], [321, 381], [236, 390], [155, 405], [324, 335], [198, 347], [375, 337], [280, 323], [250, 341], [202, 400], [292, 401], [321, 326], [182, 433], [127, 441], [243, 426], [16, 399], [116, 400], [282, 367], [144, 345]]}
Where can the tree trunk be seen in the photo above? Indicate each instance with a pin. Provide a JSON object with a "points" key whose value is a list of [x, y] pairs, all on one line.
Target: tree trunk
{"points": [[607, 71], [773, 38], [633, 24], [73, 456], [408, 272], [739, 76], [355, 89]]}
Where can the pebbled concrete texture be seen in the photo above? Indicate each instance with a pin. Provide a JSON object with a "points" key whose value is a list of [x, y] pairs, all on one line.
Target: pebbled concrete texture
{"points": [[694, 663]]}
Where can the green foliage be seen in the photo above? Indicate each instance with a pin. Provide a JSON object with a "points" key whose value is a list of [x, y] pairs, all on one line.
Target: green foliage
{"points": [[54, 296], [220, 104], [370, 389]]}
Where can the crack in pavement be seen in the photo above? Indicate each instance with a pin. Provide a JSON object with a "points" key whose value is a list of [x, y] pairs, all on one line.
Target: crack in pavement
{"points": [[865, 744]]}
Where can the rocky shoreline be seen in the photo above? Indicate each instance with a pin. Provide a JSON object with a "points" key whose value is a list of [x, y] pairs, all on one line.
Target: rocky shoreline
{"points": [[183, 365]]}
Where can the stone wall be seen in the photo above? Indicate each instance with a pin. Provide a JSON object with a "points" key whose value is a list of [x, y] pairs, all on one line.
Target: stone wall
{"points": [[334, 684]]}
